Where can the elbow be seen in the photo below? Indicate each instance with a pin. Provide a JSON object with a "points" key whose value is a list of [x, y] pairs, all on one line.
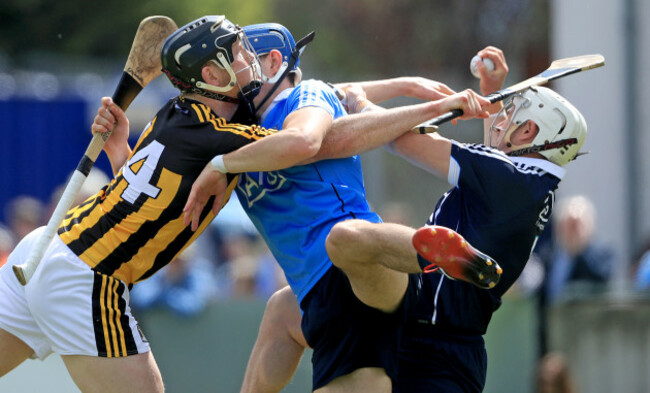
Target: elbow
{"points": [[312, 148], [305, 147]]}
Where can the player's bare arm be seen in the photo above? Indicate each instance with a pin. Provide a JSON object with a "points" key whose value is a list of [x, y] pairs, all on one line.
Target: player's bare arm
{"points": [[432, 152], [366, 131], [492, 79], [406, 86], [300, 138], [117, 146], [304, 136]]}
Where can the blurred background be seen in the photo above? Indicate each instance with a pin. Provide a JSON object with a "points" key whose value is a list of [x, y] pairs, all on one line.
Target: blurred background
{"points": [[578, 318]]}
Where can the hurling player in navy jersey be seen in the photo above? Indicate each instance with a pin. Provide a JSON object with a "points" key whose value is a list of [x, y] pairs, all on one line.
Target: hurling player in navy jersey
{"points": [[501, 199], [350, 313]]}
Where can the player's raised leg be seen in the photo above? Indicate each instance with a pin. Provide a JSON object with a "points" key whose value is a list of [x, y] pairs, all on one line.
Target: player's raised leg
{"points": [[448, 251], [279, 345], [136, 373], [374, 254], [375, 258]]}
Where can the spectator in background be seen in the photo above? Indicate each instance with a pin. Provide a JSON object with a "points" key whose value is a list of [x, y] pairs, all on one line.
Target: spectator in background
{"points": [[252, 269], [577, 261], [185, 286], [7, 243], [641, 268], [270, 276], [245, 266], [231, 220], [553, 375], [398, 213], [24, 214], [95, 180]]}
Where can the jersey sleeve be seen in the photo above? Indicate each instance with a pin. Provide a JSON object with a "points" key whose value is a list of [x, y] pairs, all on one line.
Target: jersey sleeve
{"points": [[313, 93], [206, 135], [488, 177]]}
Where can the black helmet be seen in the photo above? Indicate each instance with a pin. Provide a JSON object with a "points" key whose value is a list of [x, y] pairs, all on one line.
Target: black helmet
{"points": [[186, 51]]}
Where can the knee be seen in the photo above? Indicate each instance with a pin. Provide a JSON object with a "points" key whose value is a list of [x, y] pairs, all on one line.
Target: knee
{"points": [[344, 233], [341, 234], [345, 243], [282, 308]]}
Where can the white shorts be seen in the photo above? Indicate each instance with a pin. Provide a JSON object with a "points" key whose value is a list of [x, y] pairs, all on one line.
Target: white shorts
{"points": [[66, 307]]}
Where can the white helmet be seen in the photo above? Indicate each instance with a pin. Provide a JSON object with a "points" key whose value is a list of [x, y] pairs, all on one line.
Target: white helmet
{"points": [[562, 128]]}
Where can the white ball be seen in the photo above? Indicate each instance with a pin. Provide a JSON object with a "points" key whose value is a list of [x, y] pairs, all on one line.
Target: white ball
{"points": [[472, 65]]}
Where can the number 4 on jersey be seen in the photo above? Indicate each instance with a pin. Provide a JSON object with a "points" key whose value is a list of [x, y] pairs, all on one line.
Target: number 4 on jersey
{"points": [[139, 170]]}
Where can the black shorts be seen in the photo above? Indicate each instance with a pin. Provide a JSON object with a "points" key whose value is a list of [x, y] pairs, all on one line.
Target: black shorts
{"points": [[344, 333], [431, 361]]}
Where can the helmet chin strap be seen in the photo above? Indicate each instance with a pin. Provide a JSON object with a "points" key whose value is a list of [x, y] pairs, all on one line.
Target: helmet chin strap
{"points": [[223, 64], [278, 74], [248, 93], [286, 67], [216, 96], [214, 92], [547, 146]]}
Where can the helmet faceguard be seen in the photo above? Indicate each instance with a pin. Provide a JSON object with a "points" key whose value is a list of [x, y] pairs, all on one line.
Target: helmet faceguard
{"points": [[507, 121], [209, 39], [265, 37], [562, 128]]}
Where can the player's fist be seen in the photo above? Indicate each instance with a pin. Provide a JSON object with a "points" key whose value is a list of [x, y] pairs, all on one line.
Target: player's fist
{"points": [[474, 64]]}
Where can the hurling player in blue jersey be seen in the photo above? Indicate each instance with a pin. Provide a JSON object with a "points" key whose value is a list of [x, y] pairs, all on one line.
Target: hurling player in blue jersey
{"points": [[350, 316], [501, 199]]}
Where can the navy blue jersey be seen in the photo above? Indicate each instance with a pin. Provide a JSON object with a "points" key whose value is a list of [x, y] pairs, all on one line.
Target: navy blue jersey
{"points": [[500, 204]]}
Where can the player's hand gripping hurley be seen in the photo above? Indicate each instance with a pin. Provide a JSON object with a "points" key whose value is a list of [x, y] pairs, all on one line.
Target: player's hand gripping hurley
{"points": [[557, 69], [142, 66]]}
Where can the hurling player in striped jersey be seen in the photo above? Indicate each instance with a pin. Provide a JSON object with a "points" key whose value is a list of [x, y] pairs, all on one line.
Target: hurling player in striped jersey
{"points": [[501, 198], [77, 303]]}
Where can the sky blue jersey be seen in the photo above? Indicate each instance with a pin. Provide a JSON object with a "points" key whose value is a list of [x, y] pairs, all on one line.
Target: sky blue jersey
{"points": [[294, 209]]}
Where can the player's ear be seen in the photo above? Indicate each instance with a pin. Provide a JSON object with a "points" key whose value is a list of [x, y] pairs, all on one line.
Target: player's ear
{"points": [[212, 74], [276, 60], [525, 133]]}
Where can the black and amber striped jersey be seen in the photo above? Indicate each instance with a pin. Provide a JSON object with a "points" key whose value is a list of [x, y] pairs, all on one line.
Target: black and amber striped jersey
{"points": [[134, 225]]}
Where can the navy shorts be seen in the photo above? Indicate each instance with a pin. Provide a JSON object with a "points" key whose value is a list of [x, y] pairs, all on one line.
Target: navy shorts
{"points": [[344, 333], [431, 361]]}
